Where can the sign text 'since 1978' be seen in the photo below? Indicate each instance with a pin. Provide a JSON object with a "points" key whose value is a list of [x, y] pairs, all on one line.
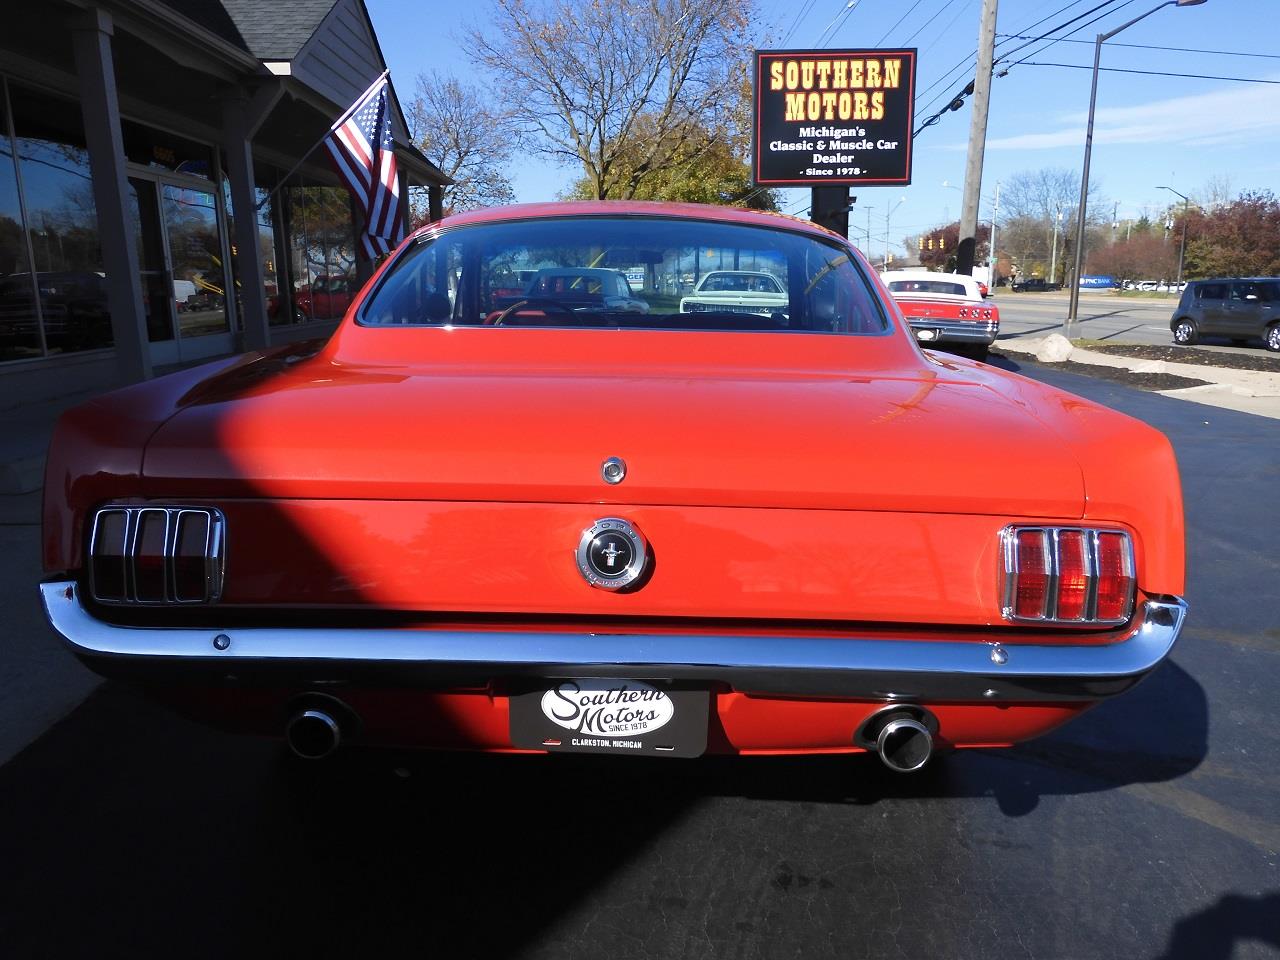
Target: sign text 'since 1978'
{"points": [[833, 117]]}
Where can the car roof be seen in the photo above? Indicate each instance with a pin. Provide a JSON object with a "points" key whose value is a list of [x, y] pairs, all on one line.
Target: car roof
{"points": [[631, 208], [926, 275]]}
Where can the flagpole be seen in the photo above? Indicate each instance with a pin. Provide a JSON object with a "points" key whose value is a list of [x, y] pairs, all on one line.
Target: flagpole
{"points": [[346, 115]]}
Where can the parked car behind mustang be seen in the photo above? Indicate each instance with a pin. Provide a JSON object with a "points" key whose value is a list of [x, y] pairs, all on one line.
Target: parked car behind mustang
{"points": [[948, 310], [736, 291], [564, 527]]}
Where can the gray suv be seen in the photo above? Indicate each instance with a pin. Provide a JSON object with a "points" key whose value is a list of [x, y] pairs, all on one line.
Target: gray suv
{"points": [[1239, 308]]}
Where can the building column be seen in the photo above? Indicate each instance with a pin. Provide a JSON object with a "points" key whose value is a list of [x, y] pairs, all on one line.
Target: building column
{"points": [[238, 146], [435, 202], [91, 36]]}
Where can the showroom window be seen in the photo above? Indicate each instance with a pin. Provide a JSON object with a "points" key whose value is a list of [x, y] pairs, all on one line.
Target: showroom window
{"points": [[55, 191], [19, 321], [279, 310], [322, 247]]}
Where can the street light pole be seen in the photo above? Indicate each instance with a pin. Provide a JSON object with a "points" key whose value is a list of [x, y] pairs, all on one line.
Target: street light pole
{"points": [[1053, 254], [993, 258], [1074, 307], [1186, 209]]}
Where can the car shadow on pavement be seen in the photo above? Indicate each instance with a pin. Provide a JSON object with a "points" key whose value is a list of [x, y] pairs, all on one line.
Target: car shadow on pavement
{"points": [[177, 839], [1213, 933], [1154, 733]]}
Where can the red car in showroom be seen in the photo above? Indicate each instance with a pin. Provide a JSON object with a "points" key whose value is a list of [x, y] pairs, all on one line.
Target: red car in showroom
{"points": [[549, 526]]}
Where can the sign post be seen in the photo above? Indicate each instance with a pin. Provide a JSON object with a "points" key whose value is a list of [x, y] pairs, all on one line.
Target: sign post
{"points": [[833, 118], [829, 207]]}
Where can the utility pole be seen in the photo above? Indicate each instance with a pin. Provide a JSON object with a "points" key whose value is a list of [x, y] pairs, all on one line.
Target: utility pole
{"points": [[887, 211], [977, 139], [868, 250]]}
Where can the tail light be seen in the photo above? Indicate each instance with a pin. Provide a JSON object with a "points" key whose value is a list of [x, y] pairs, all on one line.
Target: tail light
{"points": [[1067, 575], [157, 555]]}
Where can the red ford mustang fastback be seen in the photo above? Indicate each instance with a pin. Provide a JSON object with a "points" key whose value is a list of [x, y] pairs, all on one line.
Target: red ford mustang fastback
{"points": [[549, 525]]}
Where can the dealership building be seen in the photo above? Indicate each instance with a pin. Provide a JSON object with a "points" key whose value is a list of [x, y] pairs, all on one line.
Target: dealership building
{"points": [[160, 200]]}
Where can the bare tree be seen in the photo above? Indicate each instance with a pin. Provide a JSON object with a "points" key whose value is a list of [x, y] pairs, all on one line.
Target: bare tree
{"points": [[620, 86], [1042, 194], [453, 126], [1218, 191]]}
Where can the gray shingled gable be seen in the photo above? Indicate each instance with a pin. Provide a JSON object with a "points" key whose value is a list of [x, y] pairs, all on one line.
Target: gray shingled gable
{"points": [[277, 29], [268, 29]]}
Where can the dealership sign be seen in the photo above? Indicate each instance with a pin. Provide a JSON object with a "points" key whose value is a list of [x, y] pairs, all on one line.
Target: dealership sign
{"points": [[833, 117]]}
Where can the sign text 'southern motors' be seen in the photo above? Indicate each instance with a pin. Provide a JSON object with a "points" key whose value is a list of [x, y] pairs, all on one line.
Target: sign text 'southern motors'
{"points": [[833, 117]]}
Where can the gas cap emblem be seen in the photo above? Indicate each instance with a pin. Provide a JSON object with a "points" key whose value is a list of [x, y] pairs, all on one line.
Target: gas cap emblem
{"points": [[613, 470], [612, 554]]}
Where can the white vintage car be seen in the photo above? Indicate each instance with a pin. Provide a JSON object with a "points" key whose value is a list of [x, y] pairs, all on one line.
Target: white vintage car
{"points": [[737, 291]]}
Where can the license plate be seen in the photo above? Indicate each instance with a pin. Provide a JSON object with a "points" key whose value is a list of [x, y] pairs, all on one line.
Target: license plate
{"points": [[611, 716]]}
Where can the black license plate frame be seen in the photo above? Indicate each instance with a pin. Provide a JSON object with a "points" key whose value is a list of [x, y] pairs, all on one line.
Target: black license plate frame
{"points": [[619, 716]]}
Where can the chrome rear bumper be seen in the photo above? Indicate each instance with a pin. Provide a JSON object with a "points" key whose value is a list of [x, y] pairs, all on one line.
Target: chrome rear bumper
{"points": [[955, 331], [919, 668]]}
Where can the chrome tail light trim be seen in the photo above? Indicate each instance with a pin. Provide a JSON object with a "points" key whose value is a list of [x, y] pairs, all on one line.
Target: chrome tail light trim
{"points": [[214, 554], [1011, 569]]}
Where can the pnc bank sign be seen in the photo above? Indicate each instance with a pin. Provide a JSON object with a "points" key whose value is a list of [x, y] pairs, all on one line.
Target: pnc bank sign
{"points": [[833, 117]]}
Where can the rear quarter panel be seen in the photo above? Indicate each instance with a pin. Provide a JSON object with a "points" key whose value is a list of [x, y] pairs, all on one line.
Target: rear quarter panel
{"points": [[1129, 470]]}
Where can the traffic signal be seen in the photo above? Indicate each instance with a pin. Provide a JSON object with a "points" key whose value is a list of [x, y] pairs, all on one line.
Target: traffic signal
{"points": [[942, 243], [920, 241], [931, 243]]}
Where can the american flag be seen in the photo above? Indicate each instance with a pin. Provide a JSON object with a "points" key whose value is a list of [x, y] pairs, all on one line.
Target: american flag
{"points": [[360, 145]]}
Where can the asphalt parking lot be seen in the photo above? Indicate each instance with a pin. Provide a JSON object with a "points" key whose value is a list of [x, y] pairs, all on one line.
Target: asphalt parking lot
{"points": [[1150, 828]]}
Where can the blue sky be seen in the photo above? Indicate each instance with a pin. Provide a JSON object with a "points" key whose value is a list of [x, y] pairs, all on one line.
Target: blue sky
{"points": [[1149, 131]]}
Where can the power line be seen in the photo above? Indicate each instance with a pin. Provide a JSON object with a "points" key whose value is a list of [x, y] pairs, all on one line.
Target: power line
{"points": [[1150, 73], [943, 78], [804, 12], [1087, 23], [959, 98], [1052, 31], [974, 54], [1148, 46], [831, 29], [945, 30], [910, 10]]}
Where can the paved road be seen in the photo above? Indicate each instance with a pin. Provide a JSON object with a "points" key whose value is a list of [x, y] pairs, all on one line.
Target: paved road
{"points": [[1102, 317], [1146, 829]]}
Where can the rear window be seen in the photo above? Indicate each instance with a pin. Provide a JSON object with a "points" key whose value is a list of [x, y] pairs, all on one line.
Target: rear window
{"points": [[741, 283], [928, 286], [631, 273]]}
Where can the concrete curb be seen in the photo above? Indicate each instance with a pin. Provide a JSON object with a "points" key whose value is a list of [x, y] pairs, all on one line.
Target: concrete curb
{"points": [[1243, 383], [1246, 391]]}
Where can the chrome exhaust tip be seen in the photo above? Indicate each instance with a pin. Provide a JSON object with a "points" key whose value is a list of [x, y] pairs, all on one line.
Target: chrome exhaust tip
{"points": [[313, 734], [904, 744], [902, 735]]}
